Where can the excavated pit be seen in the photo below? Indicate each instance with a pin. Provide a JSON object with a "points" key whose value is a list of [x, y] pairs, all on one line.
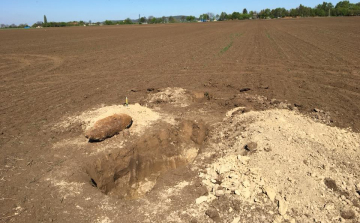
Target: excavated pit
{"points": [[131, 172]]}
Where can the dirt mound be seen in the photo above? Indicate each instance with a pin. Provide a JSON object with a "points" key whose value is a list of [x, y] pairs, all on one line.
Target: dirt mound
{"points": [[132, 171], [143, 117], [108, 127], [176, 96], [307, 170]]}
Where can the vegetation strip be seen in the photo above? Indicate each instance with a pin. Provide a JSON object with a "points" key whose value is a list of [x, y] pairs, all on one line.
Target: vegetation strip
{"points": [[342, 8], [227, 47]]}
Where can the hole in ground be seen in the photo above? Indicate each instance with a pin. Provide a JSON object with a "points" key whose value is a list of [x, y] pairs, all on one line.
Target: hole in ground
{"points": [[131, 172], [93, 183]]}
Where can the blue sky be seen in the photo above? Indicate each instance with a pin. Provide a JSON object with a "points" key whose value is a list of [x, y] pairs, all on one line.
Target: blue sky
{"points": [[30, 11]]}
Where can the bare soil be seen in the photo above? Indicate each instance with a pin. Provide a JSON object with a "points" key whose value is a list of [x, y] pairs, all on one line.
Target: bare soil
{"points": [[244, 121]]}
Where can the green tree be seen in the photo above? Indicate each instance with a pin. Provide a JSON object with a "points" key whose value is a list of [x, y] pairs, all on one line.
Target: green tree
{"points": [[223, 16], [150, 19], [236, 15], [38, 23], [294, 12], [128, 21], [343, 4], [45, 21], [265, 13], [304, 11], [22, 25], [345, 8], [172, 19], [245, 11], [108, 22], [204, 17], [142, 19], [279, 12], [190, 18], [158, 20]]}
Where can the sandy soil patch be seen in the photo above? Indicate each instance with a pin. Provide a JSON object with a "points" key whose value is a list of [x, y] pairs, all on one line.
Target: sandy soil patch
{"points": [[300, 165]]}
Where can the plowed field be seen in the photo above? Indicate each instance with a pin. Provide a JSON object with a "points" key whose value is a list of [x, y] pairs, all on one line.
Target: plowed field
{"points": [[51, 74]]}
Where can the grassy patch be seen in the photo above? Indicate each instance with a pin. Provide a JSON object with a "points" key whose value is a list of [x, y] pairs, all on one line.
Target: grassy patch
{"points": [[227, 47], [232, 37], [268, 35]]}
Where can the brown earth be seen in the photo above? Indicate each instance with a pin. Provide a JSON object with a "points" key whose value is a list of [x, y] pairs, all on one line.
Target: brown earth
{"points": [[49, 75]]}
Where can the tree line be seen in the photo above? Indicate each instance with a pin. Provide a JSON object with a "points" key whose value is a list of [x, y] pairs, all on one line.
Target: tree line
{"points": [[342, 8]]}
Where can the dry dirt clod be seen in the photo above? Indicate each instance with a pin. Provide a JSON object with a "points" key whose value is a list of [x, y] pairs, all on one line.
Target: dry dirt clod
{"points": [[270, 192], [246, 193], [278, 219], [243, 159], [201, 199], [329, 206], [236, 220], [347, 214], [267, 149], [219, 193], [331, 184], [251, 147], [274, 102], [318, 110], [357, 188], [213, 214], [283, 206]]}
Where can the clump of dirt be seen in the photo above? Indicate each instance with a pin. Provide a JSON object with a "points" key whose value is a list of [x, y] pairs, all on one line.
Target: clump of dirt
{"points": [[108, 127], [132, 171], [331, 184], [178, 97], [348, 214]]}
